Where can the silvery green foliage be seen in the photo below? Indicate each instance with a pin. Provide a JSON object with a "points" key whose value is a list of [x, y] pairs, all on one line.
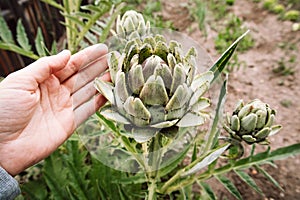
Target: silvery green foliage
{"points": [[155, 88], [252, 122]]}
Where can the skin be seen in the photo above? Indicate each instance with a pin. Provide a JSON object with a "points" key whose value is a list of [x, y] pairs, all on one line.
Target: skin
{"points": [[42, 104]]}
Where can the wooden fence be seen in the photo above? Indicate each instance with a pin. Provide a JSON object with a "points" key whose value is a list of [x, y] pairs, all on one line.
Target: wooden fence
{"points": [[33, 14]]}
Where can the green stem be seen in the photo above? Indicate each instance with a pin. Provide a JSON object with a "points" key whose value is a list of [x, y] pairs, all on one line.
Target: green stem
{"points": [[152, 189], [153, 166]]}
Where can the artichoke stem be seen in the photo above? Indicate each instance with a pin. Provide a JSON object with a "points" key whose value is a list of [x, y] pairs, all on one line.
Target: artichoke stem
{"points": [[154, 163]]}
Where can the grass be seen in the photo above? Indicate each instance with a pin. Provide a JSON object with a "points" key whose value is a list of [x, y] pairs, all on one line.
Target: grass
{"points": [[151, 11]]}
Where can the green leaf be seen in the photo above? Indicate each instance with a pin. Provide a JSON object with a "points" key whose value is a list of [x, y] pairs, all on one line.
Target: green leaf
{"points": [[110, 22], [171, 164], [75, 159], [17, 49], [208, 159], [75, 19], [22, 36], [54, 48], [54, 4], [55, 176], [229, 186], [39, 43], [194, 155], [5, 33], [35, 190], [107, 122], [269, 177], [248, 179], [220, 64], [214, 130], [207, 190], [139, 178], [91, 38], [261, 158]]}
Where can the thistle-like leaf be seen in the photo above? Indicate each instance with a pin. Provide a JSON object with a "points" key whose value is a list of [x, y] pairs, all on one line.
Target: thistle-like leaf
{"points": [[248, 180], [229, 186], [5, 33], [39, 43], [22, 36]]}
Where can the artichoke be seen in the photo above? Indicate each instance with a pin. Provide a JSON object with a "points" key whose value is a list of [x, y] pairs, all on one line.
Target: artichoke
{"points": [[155, 88], [131, 25], [252, 122]]}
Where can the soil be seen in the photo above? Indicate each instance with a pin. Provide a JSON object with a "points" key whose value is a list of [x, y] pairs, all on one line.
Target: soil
{"points": [[274, 40]]}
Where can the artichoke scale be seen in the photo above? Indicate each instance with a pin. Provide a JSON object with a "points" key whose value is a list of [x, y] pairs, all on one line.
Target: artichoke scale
{"points": [[179, 77], [248, 123], [191, 119], [105, 88], [154, 91], [136, 79]]}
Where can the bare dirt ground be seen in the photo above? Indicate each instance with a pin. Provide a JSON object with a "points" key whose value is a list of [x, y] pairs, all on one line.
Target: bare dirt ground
{"points": [[257, 80]]}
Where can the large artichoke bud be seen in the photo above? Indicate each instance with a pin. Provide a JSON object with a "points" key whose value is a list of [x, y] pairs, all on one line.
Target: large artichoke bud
{"points": [[252, 122], [155, 88]]}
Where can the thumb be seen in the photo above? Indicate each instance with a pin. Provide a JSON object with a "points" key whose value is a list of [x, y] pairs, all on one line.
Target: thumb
{"points": [[42, 69]]}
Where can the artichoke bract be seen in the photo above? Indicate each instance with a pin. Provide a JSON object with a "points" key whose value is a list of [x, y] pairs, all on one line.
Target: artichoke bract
{"points": [[252, 122], [155, 87]]}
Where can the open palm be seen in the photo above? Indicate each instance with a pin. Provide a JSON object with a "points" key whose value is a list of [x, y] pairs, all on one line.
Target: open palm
{"points": [[42, 104]]}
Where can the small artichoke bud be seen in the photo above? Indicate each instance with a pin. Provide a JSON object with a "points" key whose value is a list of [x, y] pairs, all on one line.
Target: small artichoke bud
{"points": [[252, 122]]}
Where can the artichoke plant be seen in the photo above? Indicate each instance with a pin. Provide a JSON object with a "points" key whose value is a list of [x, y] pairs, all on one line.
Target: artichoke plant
{"points": [[155, 88], [252, 122]]}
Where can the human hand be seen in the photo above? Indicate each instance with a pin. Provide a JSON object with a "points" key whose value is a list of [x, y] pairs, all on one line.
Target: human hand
{"points": [[42, 104]]}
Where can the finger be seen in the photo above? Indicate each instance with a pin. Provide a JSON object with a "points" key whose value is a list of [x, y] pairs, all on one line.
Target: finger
{"points": [[40, 70], [81, 59], [87, 92], [84, 111], [86, 75]]}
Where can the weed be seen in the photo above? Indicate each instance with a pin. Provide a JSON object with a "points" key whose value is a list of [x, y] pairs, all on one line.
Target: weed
{"points": [[198, 12], [233, 28], [292, 15], [286, 103], [283, 69]]}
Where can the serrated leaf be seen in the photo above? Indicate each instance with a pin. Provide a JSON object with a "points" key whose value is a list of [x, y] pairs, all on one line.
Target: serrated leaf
{"points": [[54, 4], [269, 177], [229, 186], [206, 161], [207, 190], [55, 176], [83, 15], [75, 19], [139, 178], [5, 33], [248, 179], [35, 190], [22, 36], [39, 43], [91, 38], [54, 48], [261, 158], [17, 49], [220, 64]]}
